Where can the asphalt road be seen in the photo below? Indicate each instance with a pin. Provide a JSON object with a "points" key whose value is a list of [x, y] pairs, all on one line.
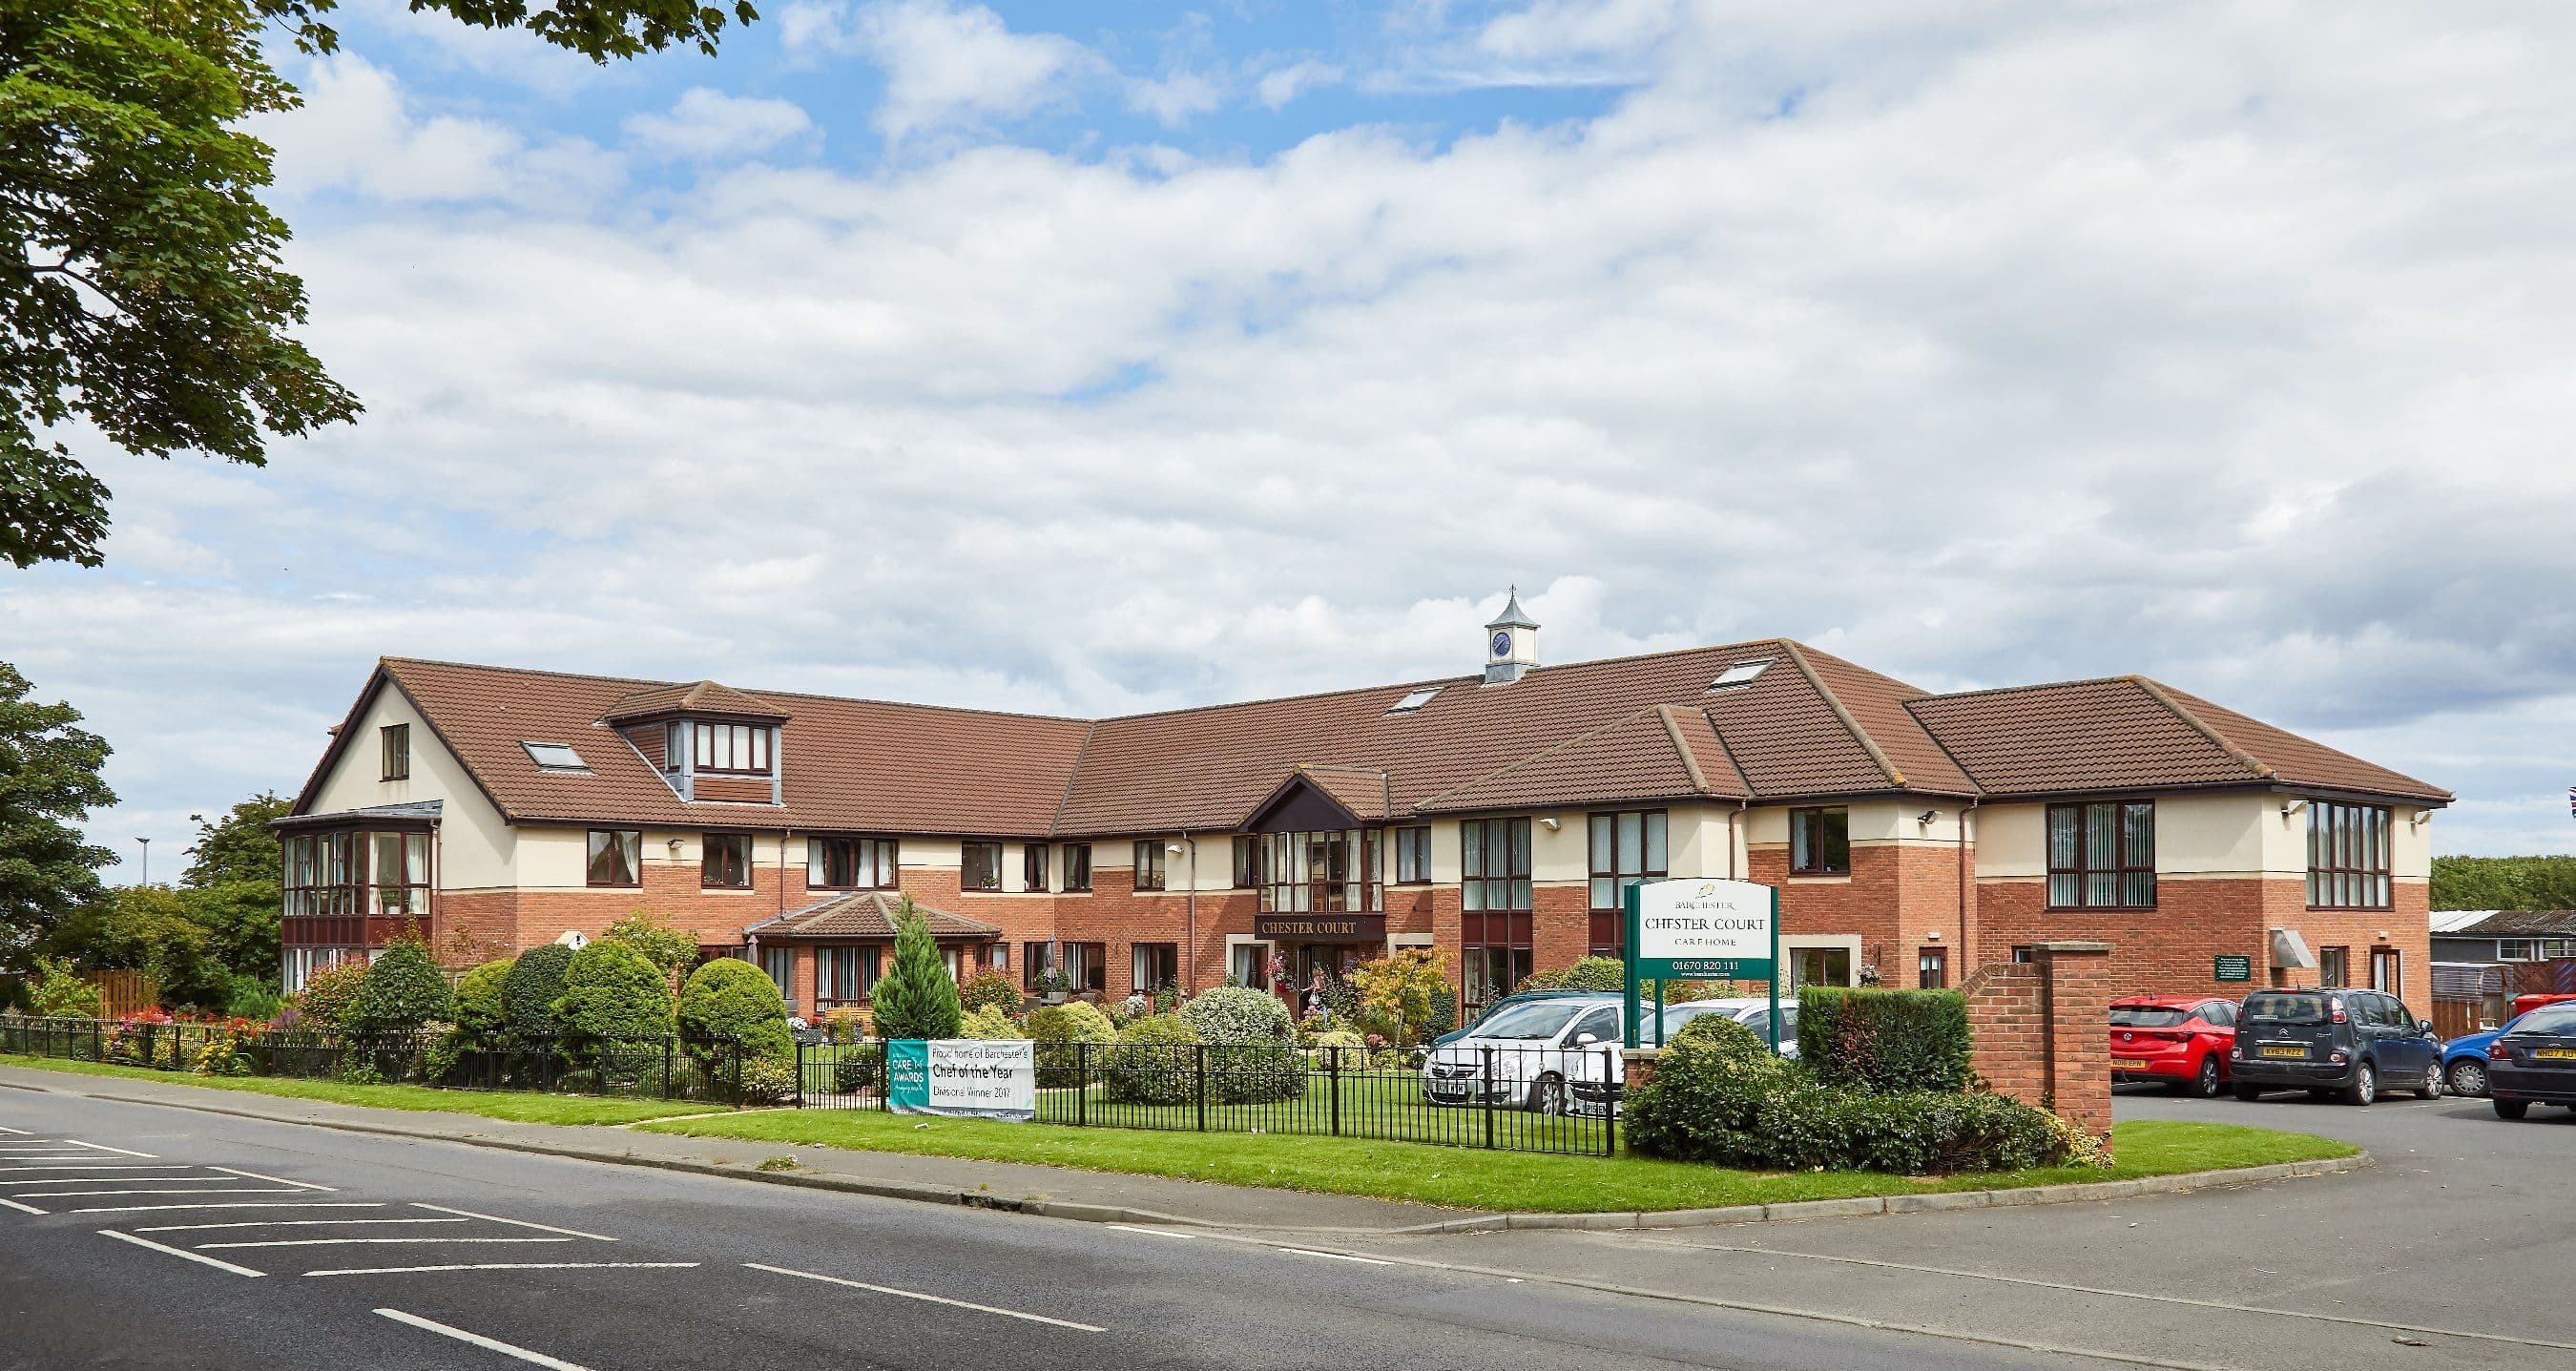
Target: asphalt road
{"points": [[135, 1235]]}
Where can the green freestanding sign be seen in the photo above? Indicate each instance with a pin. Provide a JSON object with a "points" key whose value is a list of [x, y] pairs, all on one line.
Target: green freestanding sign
{"points": [[1691, 929]]}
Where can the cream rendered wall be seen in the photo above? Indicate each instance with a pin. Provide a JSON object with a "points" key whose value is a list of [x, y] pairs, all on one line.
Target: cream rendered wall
{"points": [[1560, 855], [2230, 833], [559, 858], [2012, 842], [474, 845]]}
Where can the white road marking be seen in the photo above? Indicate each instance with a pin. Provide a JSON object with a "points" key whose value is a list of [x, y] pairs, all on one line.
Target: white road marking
{"points": [[1336, 1256], [67, 1194], [477, 1339], [343, 1242], [1152, 1232], [17, 1132], [281, 1180], [506, 1266], [523, 1223], [22, 1208], [51, 1157], [103, 1147], [103, 1180], [92, 1164], [178, 1252], [231, 1204], [930, 1299], [280, 1223]]}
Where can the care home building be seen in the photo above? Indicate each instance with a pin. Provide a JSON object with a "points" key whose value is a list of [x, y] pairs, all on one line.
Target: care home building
{"points": [[1494, 817]]}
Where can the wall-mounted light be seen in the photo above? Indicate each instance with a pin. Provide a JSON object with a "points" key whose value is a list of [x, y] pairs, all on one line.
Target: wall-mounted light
{"points": [[1932, 937], [1172, 848], [1927, 816], [1551, 821], [2290, 807], [673, 844]]}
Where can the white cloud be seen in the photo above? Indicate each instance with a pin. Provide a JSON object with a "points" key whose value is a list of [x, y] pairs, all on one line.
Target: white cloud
{"points": [[358, 133], [1552, 29], [706, 123], [945, 64], [1174, 97], [1282, 84], [2203, 341]]}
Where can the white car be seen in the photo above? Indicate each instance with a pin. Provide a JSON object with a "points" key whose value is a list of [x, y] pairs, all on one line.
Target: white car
{"points": [[1551, 1056], [1754, 1014]]}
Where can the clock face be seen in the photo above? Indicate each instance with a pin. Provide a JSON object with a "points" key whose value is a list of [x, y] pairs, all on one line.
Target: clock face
{"points": [[1502, 644]]}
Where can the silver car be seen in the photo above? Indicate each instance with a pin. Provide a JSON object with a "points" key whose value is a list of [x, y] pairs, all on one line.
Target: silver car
{"points": [[1552, 1056]]}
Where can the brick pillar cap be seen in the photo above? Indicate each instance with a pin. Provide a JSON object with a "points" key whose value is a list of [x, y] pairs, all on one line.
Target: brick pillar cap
{"points": [[2075, 949], [1640, 1054]]}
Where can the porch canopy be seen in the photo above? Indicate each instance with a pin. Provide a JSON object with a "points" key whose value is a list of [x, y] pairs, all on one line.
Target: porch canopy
{"points": [[865, 916]]}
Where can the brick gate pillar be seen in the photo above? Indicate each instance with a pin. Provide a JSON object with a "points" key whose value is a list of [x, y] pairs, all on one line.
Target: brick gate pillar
{"points": [[2041, 1030]]}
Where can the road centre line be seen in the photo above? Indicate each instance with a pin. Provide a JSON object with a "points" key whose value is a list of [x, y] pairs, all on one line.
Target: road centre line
{"points": [[103, 1147], [103, 1180], [344, 1242], [281, 1180], [279, 1223], [522, 1223], [506, 1266], [68, 1194], [930, 1299], [478, 1340], [179, 1252], [229, 1204], [1336, 1256], [22, 1208]]}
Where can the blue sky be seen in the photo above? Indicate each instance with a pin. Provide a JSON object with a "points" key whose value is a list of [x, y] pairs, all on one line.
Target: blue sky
{"points": [[954, 352]]}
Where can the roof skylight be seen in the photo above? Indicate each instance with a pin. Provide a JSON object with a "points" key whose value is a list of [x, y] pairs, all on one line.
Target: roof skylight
{"points": [[1741, 674], [554, 757], [1414, 700]]}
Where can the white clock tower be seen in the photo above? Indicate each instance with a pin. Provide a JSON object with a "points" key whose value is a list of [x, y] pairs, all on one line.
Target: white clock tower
{"points": [[1511, 643]]}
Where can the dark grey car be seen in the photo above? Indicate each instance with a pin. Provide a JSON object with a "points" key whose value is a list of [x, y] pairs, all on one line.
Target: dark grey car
{"points": [[2353, 1043]]}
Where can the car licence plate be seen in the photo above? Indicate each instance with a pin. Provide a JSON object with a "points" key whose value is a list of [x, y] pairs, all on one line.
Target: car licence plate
{"points": [[2292, 1051], [2555, 1054], [2128, 1064]]}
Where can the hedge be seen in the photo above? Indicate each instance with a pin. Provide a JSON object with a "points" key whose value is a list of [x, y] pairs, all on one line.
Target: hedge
{"points": [[483, 1003], [528, 995], [1719, 1096], [1885, 1039], [610, 990], [403, 990], [731, 998]]}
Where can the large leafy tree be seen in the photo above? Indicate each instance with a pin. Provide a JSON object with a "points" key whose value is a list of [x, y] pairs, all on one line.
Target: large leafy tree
{"points": [[239, 845], [49, 781], [150, 302]]}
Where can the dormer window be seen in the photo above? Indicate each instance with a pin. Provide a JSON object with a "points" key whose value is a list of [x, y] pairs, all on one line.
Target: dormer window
{"points": [[554, 756], [740, 749]]}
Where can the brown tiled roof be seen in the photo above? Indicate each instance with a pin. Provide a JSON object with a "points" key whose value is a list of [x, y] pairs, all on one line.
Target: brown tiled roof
{"points": [[1810, 725], [2129, 733], [701, 697], [866, 914]]}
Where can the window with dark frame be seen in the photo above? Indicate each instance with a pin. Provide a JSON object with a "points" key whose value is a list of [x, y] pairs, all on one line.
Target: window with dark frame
{"points": [[2334, 968], [1413, 855], [779, 961], [1087, 965], [738, 749], [2102, 855], [979, 866], [1247, 861], [1033, 866], [850, 864], [395, 740], [1149, 864], [1626, 847], [1157, 965], [1494, 891], [2348, 863], [616, 857], [845, 975], [1820, 842], [724, 862]]}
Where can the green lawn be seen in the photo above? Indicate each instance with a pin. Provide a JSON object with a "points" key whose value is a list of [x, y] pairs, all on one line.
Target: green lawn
{"points": [[1467, 1178], [515, 1107]]}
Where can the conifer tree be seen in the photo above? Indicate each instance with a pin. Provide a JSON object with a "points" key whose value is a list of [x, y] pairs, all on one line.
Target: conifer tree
{"points": [[916, 999]]}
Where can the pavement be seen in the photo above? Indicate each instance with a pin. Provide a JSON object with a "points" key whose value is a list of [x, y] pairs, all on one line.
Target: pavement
{"points": [[2450, 1251], [135, 1234]]}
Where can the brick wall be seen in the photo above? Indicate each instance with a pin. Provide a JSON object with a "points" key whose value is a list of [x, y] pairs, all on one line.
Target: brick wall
{"points": [[2172, 948], [1896, 893], [2039, 1030]]}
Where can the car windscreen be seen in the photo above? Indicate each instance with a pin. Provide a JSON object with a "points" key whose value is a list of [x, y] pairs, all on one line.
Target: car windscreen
{"points": [[1544, 1019], [2146, 1016], [2556, 1018], [2280, 1008]]}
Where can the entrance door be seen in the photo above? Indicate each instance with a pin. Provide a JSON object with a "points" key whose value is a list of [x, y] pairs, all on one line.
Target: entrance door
{"points": [[2386, 972]]}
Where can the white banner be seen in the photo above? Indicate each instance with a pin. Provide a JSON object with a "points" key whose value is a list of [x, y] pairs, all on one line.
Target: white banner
{"points": [[967, 1077]]}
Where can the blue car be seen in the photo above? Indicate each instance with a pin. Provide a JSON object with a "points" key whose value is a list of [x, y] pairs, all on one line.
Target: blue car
{"points": [[2464, 1059]]}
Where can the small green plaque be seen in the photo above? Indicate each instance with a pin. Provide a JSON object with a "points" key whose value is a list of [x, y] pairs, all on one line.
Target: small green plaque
{"points": [[2232, 968]]}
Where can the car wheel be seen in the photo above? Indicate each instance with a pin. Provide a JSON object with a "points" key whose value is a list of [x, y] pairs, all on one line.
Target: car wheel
{"points": [[2432, 1087], [1548, 1096], [2468, 1077], [2365, 1085], [2512, 1109], [2249, 1093], [2205, 1083]]}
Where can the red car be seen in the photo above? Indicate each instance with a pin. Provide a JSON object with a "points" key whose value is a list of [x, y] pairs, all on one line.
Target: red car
{"points": [[2176, 1040]]}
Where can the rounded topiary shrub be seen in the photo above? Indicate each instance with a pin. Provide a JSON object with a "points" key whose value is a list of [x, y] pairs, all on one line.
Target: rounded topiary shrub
{"points": [[731, 998], [611, 991], [404, 990], [1239, 1014], [528, 993], [1155, 1061], [482, 1004], [989, 989], [1255, 1073], [989, 1024], [1057, 1029]]}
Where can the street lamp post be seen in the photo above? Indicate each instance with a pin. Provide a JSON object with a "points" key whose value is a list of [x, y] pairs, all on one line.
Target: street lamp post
{"points": [[147, 859]]}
